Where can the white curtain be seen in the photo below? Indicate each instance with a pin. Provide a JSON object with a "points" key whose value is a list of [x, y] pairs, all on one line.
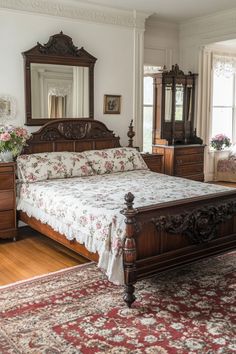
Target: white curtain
{"points": [[204, 104], [80, 92], [210, 61], [204, 101], [224, 64]]}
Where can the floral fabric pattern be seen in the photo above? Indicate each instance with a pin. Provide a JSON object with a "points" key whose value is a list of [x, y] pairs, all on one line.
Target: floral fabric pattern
{"points": [[226, 169], [88, 209], [115, 160], [44, 166], [226, 165]]}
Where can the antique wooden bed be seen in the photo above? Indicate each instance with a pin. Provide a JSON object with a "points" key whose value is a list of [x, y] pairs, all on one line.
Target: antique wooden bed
{"points": [[157, 237]]}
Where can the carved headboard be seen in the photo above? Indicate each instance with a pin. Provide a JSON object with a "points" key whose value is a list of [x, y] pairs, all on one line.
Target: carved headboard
{"points": [[72, 135]]}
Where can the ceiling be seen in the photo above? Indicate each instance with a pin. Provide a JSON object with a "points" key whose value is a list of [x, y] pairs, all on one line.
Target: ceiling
{"points": [[171, 10]]}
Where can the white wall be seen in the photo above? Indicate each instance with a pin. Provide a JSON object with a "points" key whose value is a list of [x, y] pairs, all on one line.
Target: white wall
{"points": [[161, 43], [112, 45]]}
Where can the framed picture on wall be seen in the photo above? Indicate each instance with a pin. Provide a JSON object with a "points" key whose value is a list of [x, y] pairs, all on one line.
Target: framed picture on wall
{"points": [[112, 104]]}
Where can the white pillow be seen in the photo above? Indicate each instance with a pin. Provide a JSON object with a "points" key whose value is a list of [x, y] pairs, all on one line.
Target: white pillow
{"points": [[49, 165], [115, 160], [232, 152]]}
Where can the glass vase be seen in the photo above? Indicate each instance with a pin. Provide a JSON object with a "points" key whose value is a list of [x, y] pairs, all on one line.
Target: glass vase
{"points": [[6, 156]]}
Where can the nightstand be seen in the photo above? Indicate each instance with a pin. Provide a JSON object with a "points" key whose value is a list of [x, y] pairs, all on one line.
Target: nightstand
{"points": [[8, 228], [154, 162]]}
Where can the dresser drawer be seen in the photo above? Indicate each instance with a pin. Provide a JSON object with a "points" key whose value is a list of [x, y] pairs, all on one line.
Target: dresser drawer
{"points": [[186, 170], [197, 177], [187, 159], [7, 219], [7, 200], [189, 151], [6, 181]]}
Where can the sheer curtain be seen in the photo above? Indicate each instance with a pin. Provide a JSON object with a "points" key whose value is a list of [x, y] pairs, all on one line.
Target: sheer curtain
{"points": [[204, 100], [222, 64], [56, 106]]}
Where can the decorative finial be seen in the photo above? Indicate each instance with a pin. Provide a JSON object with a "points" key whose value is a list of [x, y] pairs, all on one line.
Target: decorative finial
{"points": [[131, 134]]}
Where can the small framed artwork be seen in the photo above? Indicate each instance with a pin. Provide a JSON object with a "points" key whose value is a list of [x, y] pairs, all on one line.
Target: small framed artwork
{"points": [[7, 108], [112, 104]]}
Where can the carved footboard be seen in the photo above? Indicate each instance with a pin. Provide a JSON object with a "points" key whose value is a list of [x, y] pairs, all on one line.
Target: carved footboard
{"points": [[164, 236]]}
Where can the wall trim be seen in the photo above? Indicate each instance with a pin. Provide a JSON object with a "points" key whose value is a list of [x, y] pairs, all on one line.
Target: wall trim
{"points": [[79, 11], [210, 28]]}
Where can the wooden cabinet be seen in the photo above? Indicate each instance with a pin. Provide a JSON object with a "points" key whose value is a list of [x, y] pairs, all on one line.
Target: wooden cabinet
{"points": [[174, 94], [8, 227], [183, 160], [154, 162], [174, 135]]}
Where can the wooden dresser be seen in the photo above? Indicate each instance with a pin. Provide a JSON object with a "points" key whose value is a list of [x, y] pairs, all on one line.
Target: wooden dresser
{"points": [[154, 162], [8, 228], [183, 160]]}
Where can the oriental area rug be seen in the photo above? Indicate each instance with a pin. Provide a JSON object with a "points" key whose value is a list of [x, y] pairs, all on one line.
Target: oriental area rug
{"points": [[189, 310]]}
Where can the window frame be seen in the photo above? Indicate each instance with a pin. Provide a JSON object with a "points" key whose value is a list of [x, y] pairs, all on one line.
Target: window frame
{"points": [[232, 106]]}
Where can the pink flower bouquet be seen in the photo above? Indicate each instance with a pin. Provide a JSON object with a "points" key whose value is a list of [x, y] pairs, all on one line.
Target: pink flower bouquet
{"points": [[220, 141], [13, 139]]}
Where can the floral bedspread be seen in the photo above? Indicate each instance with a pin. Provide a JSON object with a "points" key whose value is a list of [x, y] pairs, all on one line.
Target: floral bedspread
{"points": [[88, 208]]}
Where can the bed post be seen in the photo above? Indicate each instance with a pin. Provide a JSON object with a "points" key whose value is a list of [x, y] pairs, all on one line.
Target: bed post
{"points": [[129, 250], [131, 134]]}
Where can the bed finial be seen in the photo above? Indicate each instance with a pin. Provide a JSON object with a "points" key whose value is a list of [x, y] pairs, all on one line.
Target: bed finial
{"points": [[129, 250], [131, 134]]}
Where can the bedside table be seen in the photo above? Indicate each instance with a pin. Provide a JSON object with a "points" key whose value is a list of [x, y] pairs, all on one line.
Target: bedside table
{"points": [[154, 162], [8, 227]]}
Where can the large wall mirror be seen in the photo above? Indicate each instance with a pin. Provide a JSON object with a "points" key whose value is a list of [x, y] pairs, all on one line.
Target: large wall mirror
{"points": [[59, 81]]}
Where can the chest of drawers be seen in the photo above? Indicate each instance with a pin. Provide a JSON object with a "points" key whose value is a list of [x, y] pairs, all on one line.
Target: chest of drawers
{"points": [[8, 228], [183, 160]]}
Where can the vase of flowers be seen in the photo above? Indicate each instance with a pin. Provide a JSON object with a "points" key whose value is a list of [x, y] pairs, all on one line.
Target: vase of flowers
{"points": [[220, 142], [12, 140]]}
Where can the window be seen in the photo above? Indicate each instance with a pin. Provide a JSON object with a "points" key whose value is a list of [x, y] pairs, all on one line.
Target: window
{"points": [[224, 103], [147, 113], [148, 106]]}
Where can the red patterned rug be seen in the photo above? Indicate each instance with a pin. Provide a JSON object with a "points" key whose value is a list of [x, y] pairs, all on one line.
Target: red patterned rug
{"points": [[191, 310]]}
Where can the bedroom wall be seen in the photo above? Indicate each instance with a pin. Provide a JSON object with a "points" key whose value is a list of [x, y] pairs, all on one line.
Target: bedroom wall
{"points": [[109, 38], [161, 42], [199, 32]]}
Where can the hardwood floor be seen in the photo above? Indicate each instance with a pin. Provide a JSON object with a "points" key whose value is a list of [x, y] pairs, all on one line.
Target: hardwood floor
{"points": [[33, 254]]}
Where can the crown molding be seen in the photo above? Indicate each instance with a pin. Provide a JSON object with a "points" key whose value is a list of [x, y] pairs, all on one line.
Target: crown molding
{"points": [[209, 27], [79, 11], [155, 22]]}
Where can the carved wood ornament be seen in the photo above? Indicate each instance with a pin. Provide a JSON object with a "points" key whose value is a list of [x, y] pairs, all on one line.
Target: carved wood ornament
{"points": [[85, 132], [199, 225], [129, 250]]}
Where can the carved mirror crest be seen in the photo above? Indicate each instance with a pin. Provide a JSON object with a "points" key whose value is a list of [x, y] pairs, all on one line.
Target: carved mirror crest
{"points": [[59, 81]]}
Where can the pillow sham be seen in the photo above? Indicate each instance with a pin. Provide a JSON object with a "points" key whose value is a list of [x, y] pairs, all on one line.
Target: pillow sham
{"points": [[232, 152], [115, 160], [50, 165]]}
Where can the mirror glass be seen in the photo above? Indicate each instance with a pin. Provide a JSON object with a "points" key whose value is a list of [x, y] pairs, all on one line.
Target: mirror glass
{"points": [[59, 81], [179, 102], [59, 91], [168, 102]]}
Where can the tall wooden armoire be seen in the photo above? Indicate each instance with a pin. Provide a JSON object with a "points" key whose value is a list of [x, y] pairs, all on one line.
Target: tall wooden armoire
{"points": [[174, 134]]}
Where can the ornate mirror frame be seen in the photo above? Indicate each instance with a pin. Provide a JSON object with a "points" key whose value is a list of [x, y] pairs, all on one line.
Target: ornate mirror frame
{"points": [[58, 50]]}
